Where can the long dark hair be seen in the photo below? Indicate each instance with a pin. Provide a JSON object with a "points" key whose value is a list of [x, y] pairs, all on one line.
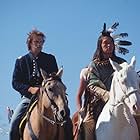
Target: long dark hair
{"points": [[99, 53]]}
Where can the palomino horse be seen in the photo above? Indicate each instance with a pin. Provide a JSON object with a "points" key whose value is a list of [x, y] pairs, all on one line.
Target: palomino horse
{"points": [[48, 117], [116, 121]]}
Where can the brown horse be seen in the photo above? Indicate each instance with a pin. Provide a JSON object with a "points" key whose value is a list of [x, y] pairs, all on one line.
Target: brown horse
{"points": [[83, 126], [75, 122], [48, 117]]}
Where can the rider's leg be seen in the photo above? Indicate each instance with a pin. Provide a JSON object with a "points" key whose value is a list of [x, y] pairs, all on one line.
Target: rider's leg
{"points": [[16, 118]]}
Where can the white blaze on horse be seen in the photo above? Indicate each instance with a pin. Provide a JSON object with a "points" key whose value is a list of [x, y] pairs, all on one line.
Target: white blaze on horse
{"points": [[116, 121]]}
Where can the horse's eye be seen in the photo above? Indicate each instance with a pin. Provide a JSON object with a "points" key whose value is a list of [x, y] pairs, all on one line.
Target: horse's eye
{"points": [[48, 83], [50, 89]]}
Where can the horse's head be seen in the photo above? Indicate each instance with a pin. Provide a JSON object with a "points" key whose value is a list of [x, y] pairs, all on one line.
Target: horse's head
{"points": [[125, 85], [53, 96]]}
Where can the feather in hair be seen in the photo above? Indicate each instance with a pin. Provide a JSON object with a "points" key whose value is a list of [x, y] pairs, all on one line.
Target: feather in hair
{"points": [[123, 50], [121, 35], [124, 43], [113, 27], [104, 29]]}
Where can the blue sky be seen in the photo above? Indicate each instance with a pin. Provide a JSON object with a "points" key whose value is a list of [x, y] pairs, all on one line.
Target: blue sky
{"points": [[72, 28]]}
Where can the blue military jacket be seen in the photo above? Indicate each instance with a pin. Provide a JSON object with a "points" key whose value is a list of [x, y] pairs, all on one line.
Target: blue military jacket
{"points": [[24, 74]]}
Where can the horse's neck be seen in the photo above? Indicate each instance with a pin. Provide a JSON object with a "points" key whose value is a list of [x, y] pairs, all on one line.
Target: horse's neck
{"points": [[113, 91], [120, 110], [39, 125], [43, 106], [37, 118], [44, 110]]}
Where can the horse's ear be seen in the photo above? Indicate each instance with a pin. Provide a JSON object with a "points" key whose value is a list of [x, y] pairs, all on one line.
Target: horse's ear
{"points": [[115, 65], [60, 72], [133, 62], [43, 74]]}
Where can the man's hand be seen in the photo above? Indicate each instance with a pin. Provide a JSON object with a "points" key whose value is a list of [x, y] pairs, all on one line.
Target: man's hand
{"points": [[33, 90], [99, 92]]}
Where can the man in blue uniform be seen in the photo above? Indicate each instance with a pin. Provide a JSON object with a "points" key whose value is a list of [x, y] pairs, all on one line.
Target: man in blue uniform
{"points": [[27, 77]]}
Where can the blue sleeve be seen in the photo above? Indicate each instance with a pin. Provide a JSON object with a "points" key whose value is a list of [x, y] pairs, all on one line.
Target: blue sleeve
{"points": [[18, 80]]}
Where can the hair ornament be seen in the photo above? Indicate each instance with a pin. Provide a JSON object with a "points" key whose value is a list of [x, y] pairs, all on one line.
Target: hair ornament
{"points": [[118, 38]]}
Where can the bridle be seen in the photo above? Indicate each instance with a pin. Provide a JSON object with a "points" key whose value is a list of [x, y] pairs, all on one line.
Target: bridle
{"points": [[54, 108], [122, 101], [51, 121], [125, 95]]}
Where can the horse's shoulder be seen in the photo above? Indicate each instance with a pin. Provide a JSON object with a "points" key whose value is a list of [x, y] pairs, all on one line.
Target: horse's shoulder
{"points": [[105, 114]]}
